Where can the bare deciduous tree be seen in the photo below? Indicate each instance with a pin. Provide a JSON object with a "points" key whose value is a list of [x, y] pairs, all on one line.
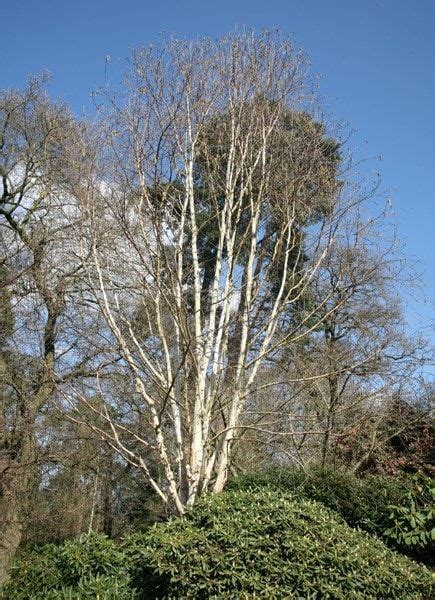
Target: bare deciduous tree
{"points": [[219, 205], [42, 161], [337, 384]]}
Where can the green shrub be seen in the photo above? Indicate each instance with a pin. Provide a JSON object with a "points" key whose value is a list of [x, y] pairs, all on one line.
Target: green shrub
{"points": [[99, 587], [363, 503], [78, 568], [269, 545], [413, 522], [233, 545]]}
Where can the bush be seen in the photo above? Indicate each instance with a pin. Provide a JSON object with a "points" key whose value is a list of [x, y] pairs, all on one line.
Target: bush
{"points": [[79, 568], [269, 545], [413, 522], [233, 545], [363, 503]]}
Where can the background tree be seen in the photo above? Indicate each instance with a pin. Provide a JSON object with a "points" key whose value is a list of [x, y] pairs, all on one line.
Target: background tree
{"points": [[43, 159], [337, 385]]}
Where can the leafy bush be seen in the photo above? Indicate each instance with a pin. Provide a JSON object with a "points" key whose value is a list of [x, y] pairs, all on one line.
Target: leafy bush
{"points": [[269, 545], [363, 503], [79, 568], [232, 545], [413, 522]]}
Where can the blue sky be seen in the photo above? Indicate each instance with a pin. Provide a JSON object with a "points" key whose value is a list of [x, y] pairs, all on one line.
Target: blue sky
{"points": [[376, 58]]}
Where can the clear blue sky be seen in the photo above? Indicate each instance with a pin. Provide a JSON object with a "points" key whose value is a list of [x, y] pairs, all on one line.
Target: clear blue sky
{"points": [[376, 58]]}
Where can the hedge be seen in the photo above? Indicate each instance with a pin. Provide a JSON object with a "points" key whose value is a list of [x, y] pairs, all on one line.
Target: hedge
{"points": [[262, 544], [363, 503], [269, 545], [90, 566]]}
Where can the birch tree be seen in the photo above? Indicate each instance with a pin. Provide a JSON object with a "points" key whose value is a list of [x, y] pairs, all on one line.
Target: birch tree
{"points": [[220, 201]]}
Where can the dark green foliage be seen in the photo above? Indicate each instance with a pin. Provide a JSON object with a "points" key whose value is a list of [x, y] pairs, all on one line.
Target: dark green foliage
{"points": [[269, 545], [413, 522], [363, 503], [101, 587], [79, 568], [232, 545], [298, 145]]}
